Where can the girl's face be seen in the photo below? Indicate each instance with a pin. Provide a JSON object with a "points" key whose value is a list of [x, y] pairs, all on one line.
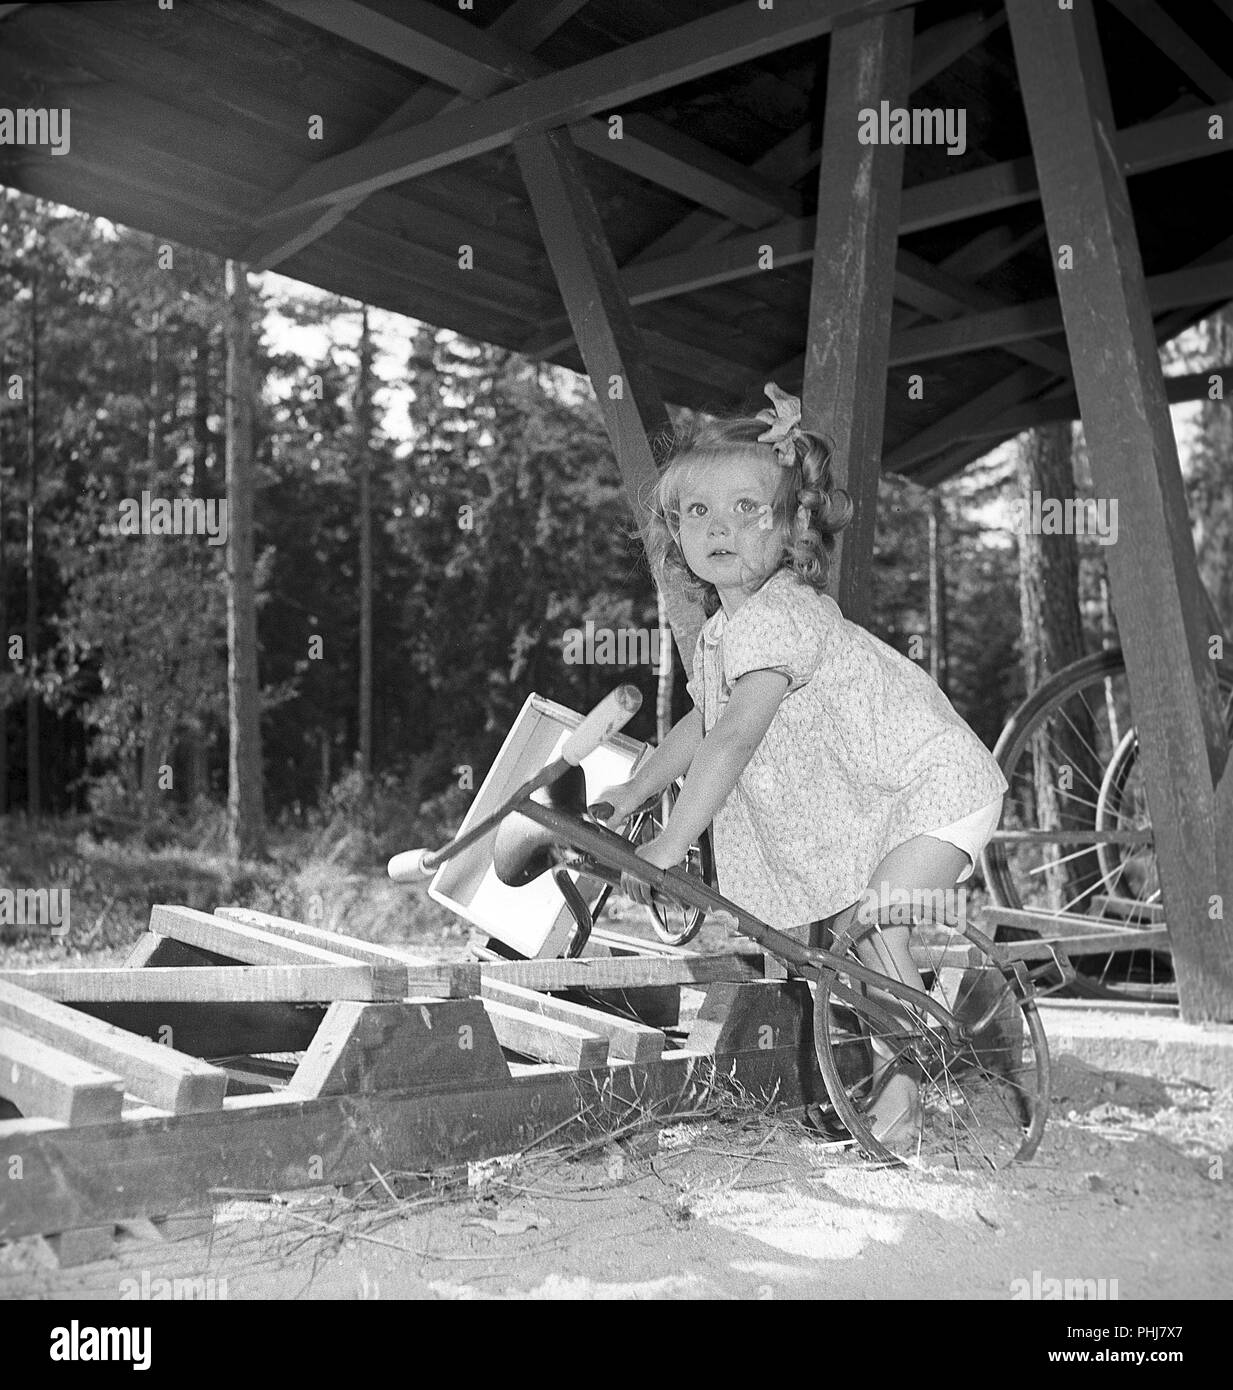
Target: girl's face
{"points": [[728, 534]]}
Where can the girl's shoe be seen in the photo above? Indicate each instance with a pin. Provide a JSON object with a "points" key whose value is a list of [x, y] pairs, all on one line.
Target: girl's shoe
{"points": [[895, 1112]]}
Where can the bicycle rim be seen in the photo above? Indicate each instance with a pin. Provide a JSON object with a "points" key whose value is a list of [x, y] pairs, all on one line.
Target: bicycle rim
{"points": [[982, 1089]]}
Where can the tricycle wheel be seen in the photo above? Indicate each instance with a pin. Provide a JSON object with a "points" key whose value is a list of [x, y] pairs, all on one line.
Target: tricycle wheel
{"points": [[969, 1090]]}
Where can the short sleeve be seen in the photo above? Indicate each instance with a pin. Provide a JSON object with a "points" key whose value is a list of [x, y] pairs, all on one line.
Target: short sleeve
{"points": [[783, 629], [693, 685]]}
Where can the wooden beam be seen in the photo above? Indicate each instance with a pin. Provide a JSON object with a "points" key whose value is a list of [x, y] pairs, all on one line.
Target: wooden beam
{"points": [[611, 344], [932, 290], [795, 155], [1162, 614], [449, 979], [484, 66], [283, 1142], [844, 386], [1208, 77], [1039, 317], [629, 1041], [361, 1048], [42, 1080], [1191, 386], [624, 971], [215, 1030], [198, 984], [735, 35], [547, 1039], [1140, 148], [157, 1074], [251, 946], [985, 412]]}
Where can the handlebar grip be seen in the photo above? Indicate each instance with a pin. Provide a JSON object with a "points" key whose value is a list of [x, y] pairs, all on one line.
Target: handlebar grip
{"points": [[613, 712], [408, 867]]}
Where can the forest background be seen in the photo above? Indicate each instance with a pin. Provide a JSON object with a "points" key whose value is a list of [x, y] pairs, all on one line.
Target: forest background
{"points": [[456, 501]]}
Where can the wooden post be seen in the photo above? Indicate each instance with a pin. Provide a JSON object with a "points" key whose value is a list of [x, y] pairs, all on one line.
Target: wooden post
{"points": [[1161, 611], [607, 336], [245, 832], [844, 387]]}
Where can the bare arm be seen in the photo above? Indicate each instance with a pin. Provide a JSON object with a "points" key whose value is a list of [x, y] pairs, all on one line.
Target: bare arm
{"points": [[667, 762], [722, 757]]}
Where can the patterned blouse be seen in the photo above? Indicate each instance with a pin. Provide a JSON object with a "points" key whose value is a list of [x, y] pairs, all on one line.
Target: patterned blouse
{"points": [[863, 753]]}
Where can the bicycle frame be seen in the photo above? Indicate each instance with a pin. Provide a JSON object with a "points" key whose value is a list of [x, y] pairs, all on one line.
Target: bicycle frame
{"points": [[612, 851]]}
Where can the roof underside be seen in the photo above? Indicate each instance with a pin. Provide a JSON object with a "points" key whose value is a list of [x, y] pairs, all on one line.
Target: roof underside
{"points": [[190, 123]]}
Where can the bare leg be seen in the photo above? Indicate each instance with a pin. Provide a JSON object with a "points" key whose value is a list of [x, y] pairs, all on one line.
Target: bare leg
{"points": [[921, 863]]}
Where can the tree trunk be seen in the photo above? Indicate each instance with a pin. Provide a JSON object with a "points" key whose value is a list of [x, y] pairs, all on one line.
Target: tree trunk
{"points": [[937, 593], [1053, 639], [33, 788], [245, 815], [198, 765], [363, 432]]}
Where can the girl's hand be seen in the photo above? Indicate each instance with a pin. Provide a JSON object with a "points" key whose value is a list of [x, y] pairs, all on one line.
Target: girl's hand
{"points": [[660, 856], [622, 803]]}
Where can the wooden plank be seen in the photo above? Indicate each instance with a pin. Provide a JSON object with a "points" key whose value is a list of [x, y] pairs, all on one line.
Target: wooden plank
{"points": [[447, 979], [1059, 924], [1129, 909], [410, 1046], [690, 51], [163, 1077], [1097, 943], [42, 1080], [547, 1039], [1040, 317], [1182, 386], [1207, 76], [625, 971], [844, 386], [612, 346], [252, 946], [181, 1163], [199, 984], [482, 62], [629, 1041], [216, 1030], [1012, 183], [1162, 612]]}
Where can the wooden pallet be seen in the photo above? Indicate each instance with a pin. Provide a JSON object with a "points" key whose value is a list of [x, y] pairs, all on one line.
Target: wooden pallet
{"points": [[147, 1092]]}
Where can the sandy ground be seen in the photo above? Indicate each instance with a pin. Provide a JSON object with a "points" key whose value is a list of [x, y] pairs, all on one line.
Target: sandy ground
{"points": [[1133, 1184]]}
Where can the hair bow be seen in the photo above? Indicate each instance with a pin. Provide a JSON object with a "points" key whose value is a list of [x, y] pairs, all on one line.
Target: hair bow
{"points": [[784, 421]]}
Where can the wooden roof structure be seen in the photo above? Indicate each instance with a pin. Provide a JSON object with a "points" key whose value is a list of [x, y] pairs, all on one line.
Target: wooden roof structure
{"points": [[675, 197], [193, 123]]}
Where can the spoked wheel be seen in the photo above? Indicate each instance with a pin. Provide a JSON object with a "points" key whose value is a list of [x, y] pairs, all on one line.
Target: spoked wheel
{"points": [[971, 1087], [1076, 834], [675, 923]]}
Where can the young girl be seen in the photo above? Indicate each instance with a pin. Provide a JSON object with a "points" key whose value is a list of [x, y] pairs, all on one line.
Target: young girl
{"points": [[832, 768]]}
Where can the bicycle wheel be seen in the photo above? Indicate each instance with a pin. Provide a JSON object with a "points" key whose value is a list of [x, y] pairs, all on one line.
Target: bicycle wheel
{"points": [[1076, 833], [675, 923], [982, 1070]]}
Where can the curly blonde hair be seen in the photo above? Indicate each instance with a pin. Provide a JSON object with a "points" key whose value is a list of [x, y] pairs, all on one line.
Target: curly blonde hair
{"points": [[807, 503]]}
